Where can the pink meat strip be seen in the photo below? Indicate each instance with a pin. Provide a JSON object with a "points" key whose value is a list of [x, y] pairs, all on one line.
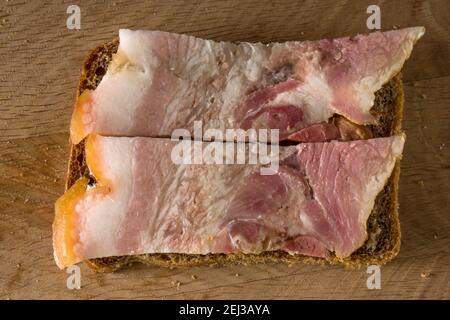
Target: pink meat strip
{"points": [[159, 82], [317, 202]]}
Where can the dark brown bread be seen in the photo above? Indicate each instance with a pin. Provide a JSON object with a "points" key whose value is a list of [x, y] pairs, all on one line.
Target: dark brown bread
{"points": [[383, 224]]}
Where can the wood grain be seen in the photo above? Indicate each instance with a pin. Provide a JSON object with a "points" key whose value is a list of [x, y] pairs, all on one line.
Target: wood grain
{"points": [[39, 69]]}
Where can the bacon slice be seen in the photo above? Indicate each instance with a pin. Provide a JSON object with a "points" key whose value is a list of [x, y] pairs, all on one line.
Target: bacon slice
{"points": [[158, 82], [317, 202]]}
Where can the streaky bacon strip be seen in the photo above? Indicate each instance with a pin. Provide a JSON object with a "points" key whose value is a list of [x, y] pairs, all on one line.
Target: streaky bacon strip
{"points": [[158, 82], [317, 202]]}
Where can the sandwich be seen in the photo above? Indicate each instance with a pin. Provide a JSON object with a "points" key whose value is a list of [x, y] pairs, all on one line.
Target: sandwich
{"points": [[336, 106]]}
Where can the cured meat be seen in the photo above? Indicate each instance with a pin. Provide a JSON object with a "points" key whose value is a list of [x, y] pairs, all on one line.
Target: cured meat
{"points": [[316, 201], [158, 82]]}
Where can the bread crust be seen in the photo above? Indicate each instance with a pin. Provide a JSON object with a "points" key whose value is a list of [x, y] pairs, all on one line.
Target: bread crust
{"points": [[383, 224]]}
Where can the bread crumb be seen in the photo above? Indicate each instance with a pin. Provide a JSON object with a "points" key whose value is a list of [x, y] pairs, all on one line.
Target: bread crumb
{"points": [[237, 275], [18, 266], [421, 183], [442, 146], [435, 236], [425, 275], [423, 96], [193, 277], [26, 200], [395, 27], [176, 283]]}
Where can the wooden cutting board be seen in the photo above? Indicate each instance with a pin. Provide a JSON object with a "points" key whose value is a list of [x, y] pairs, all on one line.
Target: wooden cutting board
{"points": [[39, 70]]}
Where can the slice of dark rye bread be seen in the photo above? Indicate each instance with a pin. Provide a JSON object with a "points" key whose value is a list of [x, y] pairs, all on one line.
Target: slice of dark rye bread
{"points": [[383, 225]]}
